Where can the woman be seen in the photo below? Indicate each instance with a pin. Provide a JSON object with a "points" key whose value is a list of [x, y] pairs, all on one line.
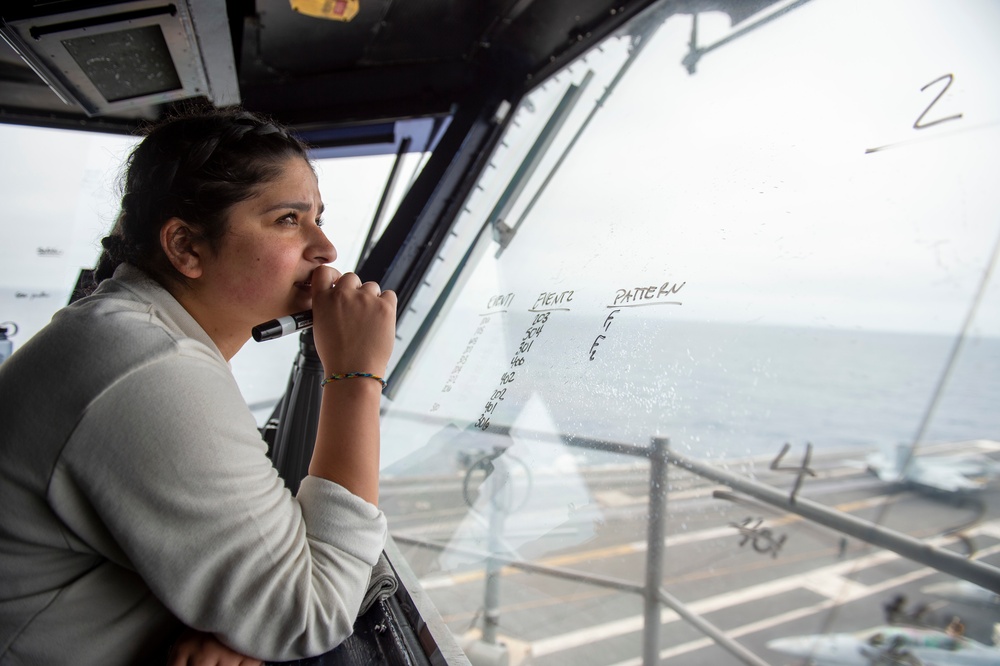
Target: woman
{"points": [[137, 496]]}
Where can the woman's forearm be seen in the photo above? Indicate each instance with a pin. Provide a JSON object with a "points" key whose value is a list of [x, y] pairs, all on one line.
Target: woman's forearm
{"points": [[347, 439]]}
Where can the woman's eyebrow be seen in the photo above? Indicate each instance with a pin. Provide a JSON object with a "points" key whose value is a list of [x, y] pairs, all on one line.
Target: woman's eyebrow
{"points": [[302, 206]]}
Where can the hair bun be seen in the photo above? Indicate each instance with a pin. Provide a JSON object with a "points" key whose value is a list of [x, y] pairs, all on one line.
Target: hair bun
{"points": [[114, 245]]}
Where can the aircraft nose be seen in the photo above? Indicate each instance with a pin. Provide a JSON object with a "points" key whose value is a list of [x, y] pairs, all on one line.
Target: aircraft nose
{"points": [[832, 649], [795, 646]]}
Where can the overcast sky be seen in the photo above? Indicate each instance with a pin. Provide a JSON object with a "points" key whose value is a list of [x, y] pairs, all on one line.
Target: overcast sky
{"points": [[748, 181]]}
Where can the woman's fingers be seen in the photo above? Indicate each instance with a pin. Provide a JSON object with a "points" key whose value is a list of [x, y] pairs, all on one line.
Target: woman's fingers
{"points": [[348, 280], [389, 295], [324, 277], [328, 275], [354, 324], [352, 281]]}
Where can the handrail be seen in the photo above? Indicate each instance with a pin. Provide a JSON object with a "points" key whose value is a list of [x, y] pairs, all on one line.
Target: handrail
{"points": [[661, 457], [947, 561]]}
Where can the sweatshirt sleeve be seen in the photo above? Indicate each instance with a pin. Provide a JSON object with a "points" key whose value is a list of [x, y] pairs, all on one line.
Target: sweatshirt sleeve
{"points": [[170, 462]]}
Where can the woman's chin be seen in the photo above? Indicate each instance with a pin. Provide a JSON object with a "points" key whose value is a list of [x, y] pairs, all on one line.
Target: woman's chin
{"points": [[302, 303]]}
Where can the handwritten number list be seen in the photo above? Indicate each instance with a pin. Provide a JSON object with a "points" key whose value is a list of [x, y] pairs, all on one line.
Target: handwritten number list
{"points": [[516, 362]]}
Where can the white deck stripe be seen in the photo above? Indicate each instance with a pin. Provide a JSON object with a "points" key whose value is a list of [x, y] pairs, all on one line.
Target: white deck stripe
{"points": [[795, 614], [438, 581], [826, 581]]}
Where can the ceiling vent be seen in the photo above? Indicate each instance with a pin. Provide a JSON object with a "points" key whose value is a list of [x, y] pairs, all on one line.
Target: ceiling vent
{"points": [[129, 54]]}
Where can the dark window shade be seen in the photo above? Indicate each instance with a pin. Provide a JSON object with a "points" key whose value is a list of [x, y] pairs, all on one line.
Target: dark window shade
{"points": [[126, 64]]}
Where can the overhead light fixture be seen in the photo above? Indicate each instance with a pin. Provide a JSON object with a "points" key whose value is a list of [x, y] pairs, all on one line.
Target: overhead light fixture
{"points": [[334, 10], [128, 54]]}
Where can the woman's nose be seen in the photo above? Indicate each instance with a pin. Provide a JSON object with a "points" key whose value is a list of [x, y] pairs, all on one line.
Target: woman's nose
{"points": [[320, 248]]}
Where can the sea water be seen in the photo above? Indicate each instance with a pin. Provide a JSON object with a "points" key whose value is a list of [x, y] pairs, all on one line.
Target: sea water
{"points": [[715, 389], [725, 390]]}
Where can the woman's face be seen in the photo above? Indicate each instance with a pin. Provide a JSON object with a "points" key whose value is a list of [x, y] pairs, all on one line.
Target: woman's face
{"points": [[260, 268]]}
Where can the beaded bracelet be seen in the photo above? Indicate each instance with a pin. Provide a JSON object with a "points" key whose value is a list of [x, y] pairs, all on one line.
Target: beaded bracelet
{"points": [[349, 375]]}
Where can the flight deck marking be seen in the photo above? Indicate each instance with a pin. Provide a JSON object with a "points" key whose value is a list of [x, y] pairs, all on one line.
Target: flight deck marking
{"points": [[823, 581], [826, 578], [638, 547], [719, 602], [789, 616]]}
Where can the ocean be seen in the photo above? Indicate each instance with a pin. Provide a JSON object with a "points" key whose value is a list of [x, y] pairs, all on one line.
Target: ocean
{"points": [[733, 390], [717, 390], [730, 393]]}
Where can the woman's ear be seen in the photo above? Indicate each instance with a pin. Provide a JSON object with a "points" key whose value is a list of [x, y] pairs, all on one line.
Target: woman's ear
{"points": [[179, 243]]}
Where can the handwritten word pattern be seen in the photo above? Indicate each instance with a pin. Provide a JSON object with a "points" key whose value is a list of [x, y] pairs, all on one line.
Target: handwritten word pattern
{"points": [[637, 295]]}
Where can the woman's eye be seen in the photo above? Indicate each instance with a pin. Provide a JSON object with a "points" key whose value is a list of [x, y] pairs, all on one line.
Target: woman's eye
{"points": [[288, 220], [320, 222]]}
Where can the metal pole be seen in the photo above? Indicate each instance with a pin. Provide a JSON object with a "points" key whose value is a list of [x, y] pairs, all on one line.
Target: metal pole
{"points": [[298, 415], [599, 580], [390, 185], [710, 630], [499, 485], [980, 573], [491, 600], [656, 540]]}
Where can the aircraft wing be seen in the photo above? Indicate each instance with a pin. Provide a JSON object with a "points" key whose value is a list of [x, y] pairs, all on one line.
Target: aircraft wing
{"points": [[882, 467], [888, 645], [965, 592], [943, 477]]}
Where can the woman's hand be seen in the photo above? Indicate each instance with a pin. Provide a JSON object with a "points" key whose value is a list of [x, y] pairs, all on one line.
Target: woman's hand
{"points": [[354, 324], [196, 648], [354, 328]]}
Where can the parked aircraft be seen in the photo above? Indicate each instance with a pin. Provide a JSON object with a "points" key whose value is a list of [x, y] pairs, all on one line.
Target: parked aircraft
{"points": [[964, 592], [888, 645], [947, 474]]}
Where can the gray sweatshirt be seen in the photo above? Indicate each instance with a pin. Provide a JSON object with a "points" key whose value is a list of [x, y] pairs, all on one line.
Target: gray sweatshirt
{"points": [[136, 496]]}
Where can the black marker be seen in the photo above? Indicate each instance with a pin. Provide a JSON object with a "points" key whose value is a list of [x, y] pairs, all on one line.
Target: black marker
{"points": [[281, 326]]}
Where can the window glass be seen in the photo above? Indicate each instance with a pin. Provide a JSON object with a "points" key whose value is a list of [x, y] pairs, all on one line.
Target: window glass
{"points": [[60, 192], [775, 251]]}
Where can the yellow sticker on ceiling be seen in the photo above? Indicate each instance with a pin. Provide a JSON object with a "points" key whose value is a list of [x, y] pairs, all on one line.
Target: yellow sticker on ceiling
{"points": [[335, 10]]}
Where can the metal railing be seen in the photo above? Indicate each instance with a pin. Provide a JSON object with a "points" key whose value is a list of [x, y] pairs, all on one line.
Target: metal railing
{"points": [[654, 595]]}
